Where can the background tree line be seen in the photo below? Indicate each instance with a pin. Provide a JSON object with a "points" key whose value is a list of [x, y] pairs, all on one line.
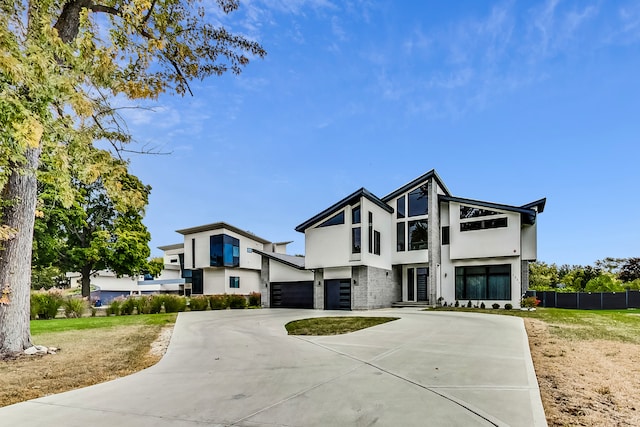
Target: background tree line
{"points": [[606, 275]]}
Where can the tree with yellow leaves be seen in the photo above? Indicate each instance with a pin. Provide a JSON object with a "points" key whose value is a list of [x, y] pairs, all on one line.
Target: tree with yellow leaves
{"points": [[61, 62]]}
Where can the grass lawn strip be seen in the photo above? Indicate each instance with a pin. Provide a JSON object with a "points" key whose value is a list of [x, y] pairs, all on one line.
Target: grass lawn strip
{"points": [[92, 350], [334, 325]]}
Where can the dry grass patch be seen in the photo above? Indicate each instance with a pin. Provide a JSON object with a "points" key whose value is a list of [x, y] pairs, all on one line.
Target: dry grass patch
{"points": [[86, 357]]}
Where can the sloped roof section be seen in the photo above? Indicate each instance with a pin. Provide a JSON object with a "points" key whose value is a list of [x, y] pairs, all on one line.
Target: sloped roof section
{"points": [[538, 205], [290, 260], [349, 200], [222, 225], [528, 214], [416, 182]]}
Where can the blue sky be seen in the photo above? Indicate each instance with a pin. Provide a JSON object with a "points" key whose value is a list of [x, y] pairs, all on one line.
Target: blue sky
{"points": [[509, 102]]}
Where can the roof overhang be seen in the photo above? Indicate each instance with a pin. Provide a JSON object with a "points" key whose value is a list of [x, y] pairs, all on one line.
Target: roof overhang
{"points": [[416, 182], [528, 213], [171, 247], [283, 258], [219, 226]]}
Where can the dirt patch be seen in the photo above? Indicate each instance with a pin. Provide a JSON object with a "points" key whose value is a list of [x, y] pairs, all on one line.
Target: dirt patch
{"points": [[585, 382], [85, 358]]}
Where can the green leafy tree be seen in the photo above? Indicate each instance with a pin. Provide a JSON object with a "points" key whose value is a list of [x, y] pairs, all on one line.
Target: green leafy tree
{"points": [[61, 61], [93, 233], [605, 282], [578, 278], [542, 276], [630, 270], [155, 266]]}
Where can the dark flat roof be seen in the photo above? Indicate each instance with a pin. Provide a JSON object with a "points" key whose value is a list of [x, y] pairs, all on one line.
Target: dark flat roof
{"points": [[528, 213], [290, 260], [349, 200], [222, 225]]}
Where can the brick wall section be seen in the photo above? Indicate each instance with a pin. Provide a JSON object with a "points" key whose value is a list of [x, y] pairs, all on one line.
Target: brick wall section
{"points": [[524, 277], [318, 290], [265, 291], [374, 288]]}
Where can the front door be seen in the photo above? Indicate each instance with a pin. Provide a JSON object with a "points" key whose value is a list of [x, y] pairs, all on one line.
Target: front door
{"points": [[417, 279]]}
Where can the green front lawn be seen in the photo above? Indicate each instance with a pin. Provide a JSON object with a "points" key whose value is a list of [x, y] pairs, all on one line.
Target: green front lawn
{"points": [[61, 325]]}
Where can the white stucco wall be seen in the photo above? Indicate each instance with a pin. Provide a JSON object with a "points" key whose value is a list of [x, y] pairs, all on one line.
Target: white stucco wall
{"points": [[337, 273], [279, 272], [381, 223], [530, 242], [216, 281], [328, 246]]}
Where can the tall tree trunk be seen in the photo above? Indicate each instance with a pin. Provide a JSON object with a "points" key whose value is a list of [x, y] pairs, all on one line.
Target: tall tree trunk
{"points": [[86, 281], [20, 193]]}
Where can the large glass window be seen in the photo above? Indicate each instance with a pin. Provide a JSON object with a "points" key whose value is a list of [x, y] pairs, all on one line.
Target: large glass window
{"points": [[418, 201], [224, 251], [334, 220], [370, 232], [471, 212], [356, 240], [483, 224], [400, 207], [418, 233], [445, 235], [489, 282], [376, 242], [400, 237], [355, 215]]}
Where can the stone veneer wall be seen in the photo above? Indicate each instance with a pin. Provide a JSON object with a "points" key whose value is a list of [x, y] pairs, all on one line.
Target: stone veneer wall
{"points": [[265, 286], [318, 289], [524, 277], [374, 287]]}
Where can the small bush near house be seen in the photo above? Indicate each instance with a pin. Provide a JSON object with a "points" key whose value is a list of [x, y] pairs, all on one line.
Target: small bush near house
{"points": [[174, 303], [237, 301], [508, 306], [218, 302], [255, 299], [45, 304], [482, 305], [495, 305], [115, 307], [198, 303], [469, 305], [457, 304], [128, 306], [155, 304], [74, 307], [529, 302]]}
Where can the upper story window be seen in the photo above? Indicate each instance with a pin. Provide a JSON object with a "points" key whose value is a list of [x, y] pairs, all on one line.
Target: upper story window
{"points": [[483, 224], [356, 240], [355, 215], [471, 212], [400, 208], [224, 251], [334, 220], [418, 235], [418, 201]]}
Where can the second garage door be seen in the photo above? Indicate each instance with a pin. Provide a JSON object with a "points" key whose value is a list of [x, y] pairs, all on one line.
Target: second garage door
{"points": [[292, 294]]}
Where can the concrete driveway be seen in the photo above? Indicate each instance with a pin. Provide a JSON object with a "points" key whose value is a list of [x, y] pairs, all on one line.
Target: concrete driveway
{"points": [[240, 368]]}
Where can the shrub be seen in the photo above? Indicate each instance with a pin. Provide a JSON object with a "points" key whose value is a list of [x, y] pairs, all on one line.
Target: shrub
{"points": [[218, 302], [143, 304], [74, 307], [155, 303], [529, 302], [174, 303], [45, 304], [508, 306], [237, 301], [115, 307], [457, 304], [255, 299], [469, 305], [495, 305], [128, 306], [482, 305], [199, 303]]}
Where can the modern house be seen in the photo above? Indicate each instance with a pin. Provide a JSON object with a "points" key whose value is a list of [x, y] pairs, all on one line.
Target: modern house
{"points": [[417, 244]]}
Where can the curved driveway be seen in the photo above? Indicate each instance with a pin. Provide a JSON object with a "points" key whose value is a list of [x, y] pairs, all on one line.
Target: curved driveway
{"points": [[240, 368]]}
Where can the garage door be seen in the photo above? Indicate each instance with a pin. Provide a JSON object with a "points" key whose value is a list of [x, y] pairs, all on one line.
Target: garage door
{"points": [[337, 294], [292, 294]]}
